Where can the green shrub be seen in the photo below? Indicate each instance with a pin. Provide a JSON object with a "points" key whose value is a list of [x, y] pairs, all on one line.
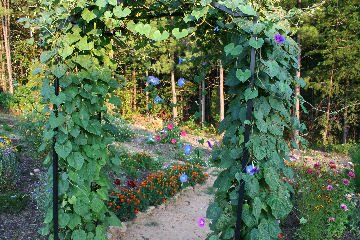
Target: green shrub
{"points": [[5, 101], [355, 158], [13, 202], [8, 165], [119, 128], [31, 126], [339, 148]]}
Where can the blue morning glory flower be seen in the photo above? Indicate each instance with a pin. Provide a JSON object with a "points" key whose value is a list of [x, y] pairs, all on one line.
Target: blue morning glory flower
{"points": [[181, 60], [150, 139], [251, 170], [216, 29], [183, 178], [153, 80], [181, 82], [187, 149], [2, 140], [158, 100]]}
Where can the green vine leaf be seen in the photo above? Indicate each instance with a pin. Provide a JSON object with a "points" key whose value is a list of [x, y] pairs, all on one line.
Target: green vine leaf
{"points": [[232, 49], [88, 15], [46, 56], [243, 75], [66, 51], [256, 43], [250, 94], [63, 149], [119, 12], [179, 34], [76, 160], [247, 9], [79, 235], [59, 70]]}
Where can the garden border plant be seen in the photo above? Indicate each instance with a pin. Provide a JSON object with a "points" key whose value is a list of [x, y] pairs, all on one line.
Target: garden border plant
{"points": [[77, 39]]}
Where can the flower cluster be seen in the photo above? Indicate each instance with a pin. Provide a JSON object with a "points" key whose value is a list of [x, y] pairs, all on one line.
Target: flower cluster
{"points": [[323, 192], [171, 133], [154, 190]]}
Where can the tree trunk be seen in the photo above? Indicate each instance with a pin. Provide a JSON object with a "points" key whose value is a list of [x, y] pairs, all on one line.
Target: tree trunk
{"points": [[327, 127], [221, 88], [147, 95], [174, 99], [2, 71], [297, 86], [345, 126], [134, 89], [203, 102], [5, 22]]}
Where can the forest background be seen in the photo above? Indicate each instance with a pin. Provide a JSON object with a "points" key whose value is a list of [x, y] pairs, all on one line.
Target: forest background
{"points": [[327, 32]]}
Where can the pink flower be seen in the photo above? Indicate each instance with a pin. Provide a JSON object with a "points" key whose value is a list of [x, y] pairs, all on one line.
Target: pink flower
{"points": [[158, 138], [317, 165], [343, 206], [201, 222], [170, 126], [345, 181], [329, 187], [182, 133], [310, 171], [331, 219], [317, 172], [351, 174], [173, 141]]}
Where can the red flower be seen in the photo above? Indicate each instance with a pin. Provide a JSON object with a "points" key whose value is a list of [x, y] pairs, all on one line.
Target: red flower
{"points": [[131, 183], [280, 235], [317, 165], [117, 181]]}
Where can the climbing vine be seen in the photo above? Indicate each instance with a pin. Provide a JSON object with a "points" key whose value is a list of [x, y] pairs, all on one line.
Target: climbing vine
{"points": [[77, 37]]}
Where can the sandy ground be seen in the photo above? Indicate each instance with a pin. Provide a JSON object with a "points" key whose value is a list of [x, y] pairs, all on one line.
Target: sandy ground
{"points": [[176, 219]]}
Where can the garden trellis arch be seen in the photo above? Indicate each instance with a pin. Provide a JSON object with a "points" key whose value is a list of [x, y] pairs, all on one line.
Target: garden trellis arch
{"points": [[77, 38]]}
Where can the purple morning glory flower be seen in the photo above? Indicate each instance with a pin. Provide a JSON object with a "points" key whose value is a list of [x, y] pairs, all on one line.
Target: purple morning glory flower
{"points": [[279, 39], [201, 222], [187, 149], [158, 100], [183, 178], [209, 144], [181, 60], [251, 170], [153, 80], [7, 152], [181, 82]]}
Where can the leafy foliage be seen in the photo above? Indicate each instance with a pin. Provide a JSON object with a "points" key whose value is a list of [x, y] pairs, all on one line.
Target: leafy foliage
{"points": [[79, 53]]}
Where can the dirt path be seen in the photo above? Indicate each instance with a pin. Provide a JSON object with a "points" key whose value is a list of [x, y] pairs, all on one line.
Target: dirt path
{"points": [[176, 219]]}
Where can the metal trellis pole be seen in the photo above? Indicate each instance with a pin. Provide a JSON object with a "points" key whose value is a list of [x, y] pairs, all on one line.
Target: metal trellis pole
{"points": [[55, 171], [246, 155]]}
